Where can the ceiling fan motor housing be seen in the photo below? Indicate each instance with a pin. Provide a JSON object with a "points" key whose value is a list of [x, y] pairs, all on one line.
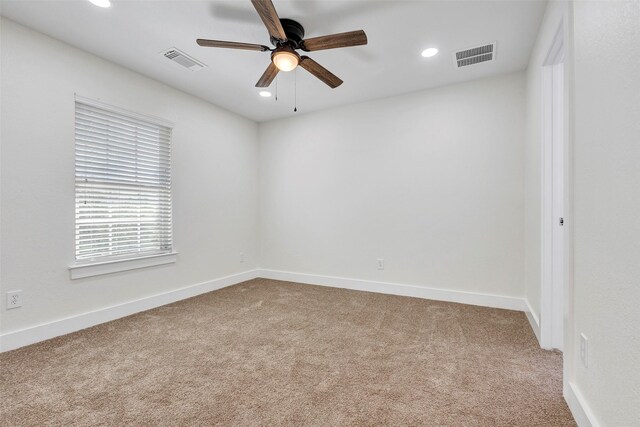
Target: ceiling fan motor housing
{"points": [[294, 31]]}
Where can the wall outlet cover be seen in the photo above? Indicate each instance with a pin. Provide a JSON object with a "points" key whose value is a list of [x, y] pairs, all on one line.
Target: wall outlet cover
{"points": [[14, 299]]}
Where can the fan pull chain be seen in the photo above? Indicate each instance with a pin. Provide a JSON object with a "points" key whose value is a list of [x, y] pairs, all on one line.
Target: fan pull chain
{"points": [[295, 90], [276, 87]]}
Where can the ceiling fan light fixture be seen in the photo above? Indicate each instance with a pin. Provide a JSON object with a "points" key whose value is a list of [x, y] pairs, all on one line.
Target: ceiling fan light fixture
{"points": [[287, 36], [285, 59]]}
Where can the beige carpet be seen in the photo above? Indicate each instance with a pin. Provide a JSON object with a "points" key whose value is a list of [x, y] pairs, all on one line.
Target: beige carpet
{"points": [[275, 353]]}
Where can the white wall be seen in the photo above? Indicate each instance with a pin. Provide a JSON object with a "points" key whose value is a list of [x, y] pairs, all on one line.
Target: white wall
{"points": [[214, 180], [607, 208], [431, 181], [602, 66]]}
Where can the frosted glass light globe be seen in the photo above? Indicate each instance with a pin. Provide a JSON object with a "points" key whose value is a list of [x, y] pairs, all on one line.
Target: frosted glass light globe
{"points": [[285, 61]]}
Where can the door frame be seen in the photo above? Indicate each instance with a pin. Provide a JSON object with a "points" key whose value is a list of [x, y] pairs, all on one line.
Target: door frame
{"points": [[554, 251]]}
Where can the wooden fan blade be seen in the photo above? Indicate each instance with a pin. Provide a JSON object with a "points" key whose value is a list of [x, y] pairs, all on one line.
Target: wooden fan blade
{"points": [[269, 16], [320, 72], [351, 38], [231, 45], [269, 74]]}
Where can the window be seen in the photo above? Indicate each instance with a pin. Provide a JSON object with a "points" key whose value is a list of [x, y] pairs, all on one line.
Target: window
{"points": [[123, 185]]}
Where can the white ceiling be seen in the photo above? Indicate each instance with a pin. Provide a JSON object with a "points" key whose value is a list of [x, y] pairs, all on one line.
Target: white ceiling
{"points": [[133, 33]]}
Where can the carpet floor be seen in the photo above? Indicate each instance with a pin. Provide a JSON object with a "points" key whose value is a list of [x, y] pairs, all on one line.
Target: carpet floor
{"points": [[266, 352]]}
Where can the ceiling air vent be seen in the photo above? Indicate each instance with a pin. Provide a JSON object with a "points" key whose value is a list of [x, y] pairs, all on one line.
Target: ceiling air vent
{"points": [[475, 55], [183, 59]]}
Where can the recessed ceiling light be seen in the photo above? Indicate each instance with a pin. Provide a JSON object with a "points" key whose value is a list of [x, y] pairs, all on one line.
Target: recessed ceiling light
{"points": [[428, 53], [101, 3], [265, 93]]}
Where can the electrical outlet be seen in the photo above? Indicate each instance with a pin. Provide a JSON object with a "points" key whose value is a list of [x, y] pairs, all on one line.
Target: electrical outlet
{"points": [[584, 350], [14, 299], [380, 263], [241, 257]]}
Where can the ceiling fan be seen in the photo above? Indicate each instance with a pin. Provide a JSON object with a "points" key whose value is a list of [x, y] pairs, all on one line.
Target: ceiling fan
{"points": [[287, 36]]}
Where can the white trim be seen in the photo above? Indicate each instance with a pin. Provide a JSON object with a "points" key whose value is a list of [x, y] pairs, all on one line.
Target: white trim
{"points": [[16, 339], [556, 49], [579, 409], [557, 308], [533, 319], [144, 117], [79, 270], [546, 248], [472, 298], [552, 284]]}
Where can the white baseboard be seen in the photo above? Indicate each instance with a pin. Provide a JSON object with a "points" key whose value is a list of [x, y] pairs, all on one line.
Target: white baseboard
{"points": [[472, 298], [45, 331], [579, 409], [534, 321], [16, 339]]}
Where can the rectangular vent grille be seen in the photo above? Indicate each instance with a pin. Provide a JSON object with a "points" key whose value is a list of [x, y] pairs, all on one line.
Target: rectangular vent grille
{"points": [[183, 59], [475, 55]]}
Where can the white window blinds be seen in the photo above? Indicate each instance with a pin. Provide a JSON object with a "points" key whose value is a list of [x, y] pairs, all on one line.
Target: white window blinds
{"points": [[123, 184]]}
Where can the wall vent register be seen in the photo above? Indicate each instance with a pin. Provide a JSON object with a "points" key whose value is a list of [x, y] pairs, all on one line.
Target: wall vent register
{"points": [[475, 55], [184, 60]]}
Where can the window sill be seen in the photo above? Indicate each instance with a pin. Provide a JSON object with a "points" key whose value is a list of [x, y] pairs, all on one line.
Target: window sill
{"points": [[79, 271]]}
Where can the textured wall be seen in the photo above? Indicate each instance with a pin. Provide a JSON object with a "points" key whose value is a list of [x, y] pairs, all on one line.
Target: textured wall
{"points": [[214, 180], [607, 206], [432, 182]]}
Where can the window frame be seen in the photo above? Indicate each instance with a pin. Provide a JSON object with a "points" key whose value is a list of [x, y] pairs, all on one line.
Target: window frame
{"points": [[81, 268]]}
